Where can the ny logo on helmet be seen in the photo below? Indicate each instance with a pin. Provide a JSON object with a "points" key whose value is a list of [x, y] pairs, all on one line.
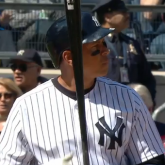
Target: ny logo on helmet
{"points": [[96, 21]]}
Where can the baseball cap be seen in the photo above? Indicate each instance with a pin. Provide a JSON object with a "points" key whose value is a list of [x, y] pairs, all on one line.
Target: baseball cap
{"points": [[57, 37], [110, 5], [28, 55]]}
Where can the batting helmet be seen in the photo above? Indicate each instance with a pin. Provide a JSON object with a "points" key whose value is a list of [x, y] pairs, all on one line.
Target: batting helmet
{"points": [[57, 37]]}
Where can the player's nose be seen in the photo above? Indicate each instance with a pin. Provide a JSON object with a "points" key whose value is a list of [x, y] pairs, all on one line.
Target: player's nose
{"points": [[105, 51]]}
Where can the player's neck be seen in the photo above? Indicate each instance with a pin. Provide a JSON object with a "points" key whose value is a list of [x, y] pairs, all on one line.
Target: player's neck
{"points": [[69, 83]]}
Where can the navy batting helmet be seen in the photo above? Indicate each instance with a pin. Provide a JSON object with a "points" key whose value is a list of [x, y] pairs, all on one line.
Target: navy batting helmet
{"points": [[57, 37]]}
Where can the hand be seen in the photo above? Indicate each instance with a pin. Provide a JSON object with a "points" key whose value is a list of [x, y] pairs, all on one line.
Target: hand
{"points": [[5, 18]]}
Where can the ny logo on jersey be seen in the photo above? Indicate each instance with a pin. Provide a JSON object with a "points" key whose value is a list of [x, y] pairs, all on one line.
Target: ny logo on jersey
{"points": [[96, 21], [110, 133]]}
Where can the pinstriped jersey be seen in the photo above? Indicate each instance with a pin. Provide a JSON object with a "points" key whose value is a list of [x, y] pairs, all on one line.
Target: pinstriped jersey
{"points": [[43, 126]]}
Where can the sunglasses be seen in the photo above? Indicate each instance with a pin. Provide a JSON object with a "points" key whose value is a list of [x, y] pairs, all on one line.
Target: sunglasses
{"points": [[6, 95], [21, 67]]}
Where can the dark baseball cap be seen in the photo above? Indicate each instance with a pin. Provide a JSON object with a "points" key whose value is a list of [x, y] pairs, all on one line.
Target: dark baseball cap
{"points": [[110, 6], [28, 55], [57, 37]]}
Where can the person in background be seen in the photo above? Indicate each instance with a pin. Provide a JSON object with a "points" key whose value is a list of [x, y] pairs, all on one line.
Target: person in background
{"points": [[6, 34], [26, 67], [128, 63], [9, 92], [5, 17], [144, 94], [157, 23], [155, 18]]}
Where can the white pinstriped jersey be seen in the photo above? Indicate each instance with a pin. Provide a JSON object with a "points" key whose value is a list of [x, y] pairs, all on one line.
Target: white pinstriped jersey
{"points": [[43, 125]]}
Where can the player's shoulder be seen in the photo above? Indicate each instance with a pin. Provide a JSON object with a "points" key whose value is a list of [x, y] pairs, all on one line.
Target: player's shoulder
{"points": [[110, 82], [131, 93]]}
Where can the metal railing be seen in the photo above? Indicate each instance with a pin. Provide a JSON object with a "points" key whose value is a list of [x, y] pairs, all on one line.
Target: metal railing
{"points": [[85, 7]]}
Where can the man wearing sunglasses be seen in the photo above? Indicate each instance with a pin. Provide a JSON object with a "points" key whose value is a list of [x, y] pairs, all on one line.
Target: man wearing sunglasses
{"points": [[26, 67]]}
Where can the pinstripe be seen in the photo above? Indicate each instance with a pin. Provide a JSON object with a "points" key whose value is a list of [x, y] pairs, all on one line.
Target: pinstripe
{"points": [[11, 145], [36, 128], [37, 101], [9, 118], [16, 146], [26, 143], [97, 118], [44, 125], [47, 122], [106, 98], [149, 124], [9, 128], [102, 106], [115, 115], [66, 124], [59, 121], [94, 139], [76, 148], [30, 131], [53, 123], [153, 134], [131, 135], [108, 104]]}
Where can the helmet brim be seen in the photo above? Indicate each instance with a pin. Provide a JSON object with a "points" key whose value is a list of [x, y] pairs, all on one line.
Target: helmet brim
{"points": [[97, 35]]}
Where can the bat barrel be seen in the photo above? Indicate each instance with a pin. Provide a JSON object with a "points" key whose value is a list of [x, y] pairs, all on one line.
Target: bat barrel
{"points": [[73, 15]]}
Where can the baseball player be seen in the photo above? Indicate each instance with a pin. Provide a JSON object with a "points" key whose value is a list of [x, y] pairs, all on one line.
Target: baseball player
{"points": [[43, 125]]}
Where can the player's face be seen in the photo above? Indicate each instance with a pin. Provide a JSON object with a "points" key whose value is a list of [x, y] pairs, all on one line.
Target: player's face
{"points": [[118, 20], [25, 73], [95, 59]]}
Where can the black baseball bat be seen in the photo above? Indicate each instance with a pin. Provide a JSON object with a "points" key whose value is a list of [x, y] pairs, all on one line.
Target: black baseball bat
{"points": [[73, 15]]}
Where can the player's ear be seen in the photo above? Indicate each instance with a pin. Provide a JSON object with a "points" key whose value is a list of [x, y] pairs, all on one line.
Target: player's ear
{"points": [[67, 57]]}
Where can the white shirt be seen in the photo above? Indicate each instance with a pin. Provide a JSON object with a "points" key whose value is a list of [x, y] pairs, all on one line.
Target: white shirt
{"points": [[43, 126]]}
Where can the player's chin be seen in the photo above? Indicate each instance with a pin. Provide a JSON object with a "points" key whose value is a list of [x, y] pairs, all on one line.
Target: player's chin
{"points": [[103, 71]]}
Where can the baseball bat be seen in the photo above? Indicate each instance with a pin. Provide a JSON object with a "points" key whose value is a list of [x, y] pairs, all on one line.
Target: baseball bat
{"points": [[73, 15]]}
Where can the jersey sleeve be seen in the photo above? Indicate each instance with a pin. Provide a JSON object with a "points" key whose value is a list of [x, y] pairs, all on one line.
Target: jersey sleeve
{"points": [[13, 144], [145, 142]]}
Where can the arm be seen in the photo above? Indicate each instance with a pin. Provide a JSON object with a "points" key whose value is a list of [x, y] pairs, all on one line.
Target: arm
{"points": [[150, 15], [13, 144], [145, 145]]}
